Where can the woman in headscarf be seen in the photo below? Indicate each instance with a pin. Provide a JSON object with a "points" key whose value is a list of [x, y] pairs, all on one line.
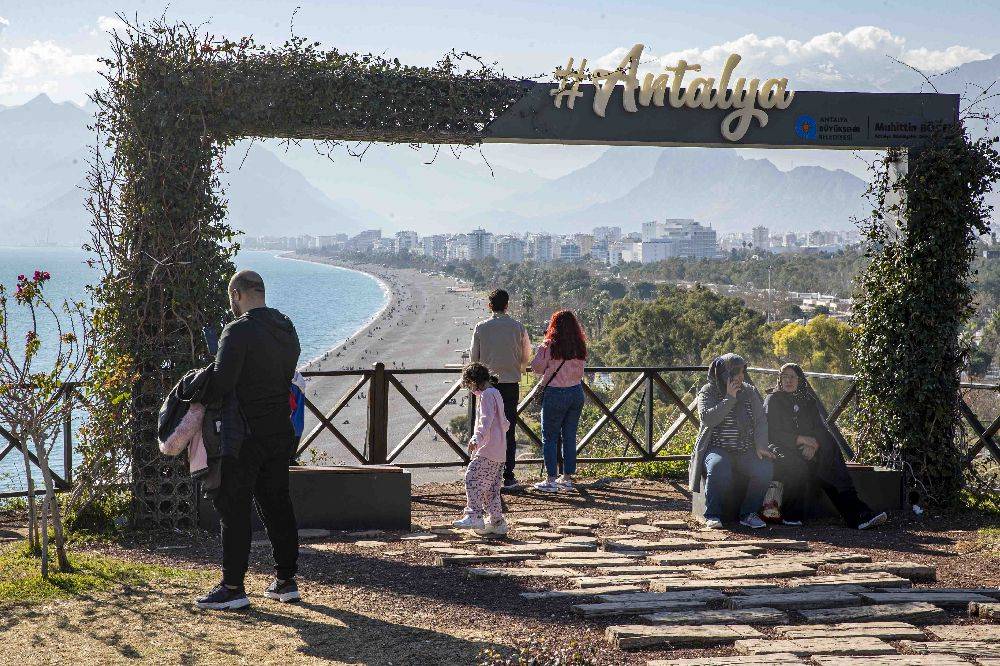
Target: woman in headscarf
{"points": [[732, 438], [808, 454]]}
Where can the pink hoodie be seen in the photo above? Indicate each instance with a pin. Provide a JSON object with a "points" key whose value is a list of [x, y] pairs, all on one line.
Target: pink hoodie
{"points": [[187, 435], [490, 437]]}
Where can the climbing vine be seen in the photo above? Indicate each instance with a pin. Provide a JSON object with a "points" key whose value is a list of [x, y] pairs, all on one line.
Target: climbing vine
{"points": [[912, 301], [175, 99]]}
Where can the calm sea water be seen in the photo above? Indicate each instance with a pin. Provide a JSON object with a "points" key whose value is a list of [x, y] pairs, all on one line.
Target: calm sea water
{"points": [[327, 304]]}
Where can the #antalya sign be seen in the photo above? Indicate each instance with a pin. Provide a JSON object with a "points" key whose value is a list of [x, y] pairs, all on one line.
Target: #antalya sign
{"points": [[749, 100]]}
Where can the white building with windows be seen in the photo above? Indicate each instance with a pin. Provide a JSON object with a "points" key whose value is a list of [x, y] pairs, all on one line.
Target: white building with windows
{"points": [[407, 241], [509, 249]]}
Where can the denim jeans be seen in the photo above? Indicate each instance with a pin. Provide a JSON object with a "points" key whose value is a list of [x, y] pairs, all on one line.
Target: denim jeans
{"points": [[720, 465], [561, 409]]}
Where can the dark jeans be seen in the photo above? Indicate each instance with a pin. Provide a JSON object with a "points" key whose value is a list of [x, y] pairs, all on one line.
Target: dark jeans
{"points": [[260, 474], [827, 470], [510, 393], [720, 465], [561, 409]]}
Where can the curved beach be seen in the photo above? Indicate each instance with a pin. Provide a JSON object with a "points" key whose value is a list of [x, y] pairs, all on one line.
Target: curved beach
{"points": [[424, 325]]}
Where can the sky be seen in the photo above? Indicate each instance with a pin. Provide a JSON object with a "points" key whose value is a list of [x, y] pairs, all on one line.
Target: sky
{"points": [[52, 46]]}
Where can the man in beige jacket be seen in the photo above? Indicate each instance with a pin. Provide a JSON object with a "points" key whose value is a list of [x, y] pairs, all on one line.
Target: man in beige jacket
{"points": [[501, 343]]}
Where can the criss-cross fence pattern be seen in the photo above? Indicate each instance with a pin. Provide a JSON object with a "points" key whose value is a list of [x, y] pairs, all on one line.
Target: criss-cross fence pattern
{"points": [[640, 411], [11, 451]]}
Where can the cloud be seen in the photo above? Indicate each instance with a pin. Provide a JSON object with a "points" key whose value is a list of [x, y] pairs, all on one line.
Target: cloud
{"points": [[44, 66], [108, 24], [832, 60]]}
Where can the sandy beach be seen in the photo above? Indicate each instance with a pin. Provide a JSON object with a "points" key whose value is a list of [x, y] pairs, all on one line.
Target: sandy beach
{"points": [[422, 326]]}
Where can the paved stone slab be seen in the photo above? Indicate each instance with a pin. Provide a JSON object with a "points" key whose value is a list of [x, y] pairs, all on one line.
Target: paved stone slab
{"points": [[808, 647], [942, 599], [424, 536], [910, 612], [722, 616], [988, 611], [530, 529], [580, 530], [893, 660], [730, 660], [668, 584], [607, 563], [809, 559], [613, 608], [911, 570], [490, 572], [708, 556], [645, 580], [313, 533], [642, 528], [795, 601], [766, 544], [754, 588], [582, 592], [643, 569], [684, 595], [872, 580], [619, 543], [633, 555], [547, 536], [764, 571], [541, 548], [532, 522], [579, 539], [670, 524], [992, 592], [586, 522], [464, 560], [962, 648], [451, 550], [887, 631], [630, 518], [966, 632], [369, 543], [627, 637]]}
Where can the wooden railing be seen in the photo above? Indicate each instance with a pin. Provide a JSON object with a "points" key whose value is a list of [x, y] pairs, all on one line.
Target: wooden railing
{"points": [[69, 393]]}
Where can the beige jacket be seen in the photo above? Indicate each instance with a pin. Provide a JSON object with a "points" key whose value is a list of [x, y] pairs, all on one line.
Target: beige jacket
{"points": [[502, 345]]}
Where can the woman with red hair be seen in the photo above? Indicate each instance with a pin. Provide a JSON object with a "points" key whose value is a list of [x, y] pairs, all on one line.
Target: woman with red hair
{"points": [[559, 363]]}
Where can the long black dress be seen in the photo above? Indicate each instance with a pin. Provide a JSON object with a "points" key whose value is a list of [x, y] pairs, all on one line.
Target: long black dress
{"points": [[788, 416]]}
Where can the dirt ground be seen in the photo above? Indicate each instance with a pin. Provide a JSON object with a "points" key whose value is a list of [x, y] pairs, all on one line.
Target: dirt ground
{"points": [[387, 603]]}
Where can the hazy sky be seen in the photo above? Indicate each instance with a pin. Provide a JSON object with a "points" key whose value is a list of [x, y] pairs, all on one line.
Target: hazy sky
{"points": [[51, 45]]}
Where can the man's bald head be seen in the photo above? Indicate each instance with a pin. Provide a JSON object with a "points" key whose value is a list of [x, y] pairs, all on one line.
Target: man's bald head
{"points": [[246, 292]]}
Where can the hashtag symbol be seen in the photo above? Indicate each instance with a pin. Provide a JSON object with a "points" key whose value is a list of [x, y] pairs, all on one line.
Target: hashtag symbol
{"points": [[569, 83]]}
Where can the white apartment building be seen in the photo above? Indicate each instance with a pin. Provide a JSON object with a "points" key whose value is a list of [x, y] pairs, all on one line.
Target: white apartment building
{"points": [[690, 238], [407, 241], [480, 243], [761, 238], [435, 246], [509, 249], [569, 252], [585, 242], [542, 248], [609, 234]]}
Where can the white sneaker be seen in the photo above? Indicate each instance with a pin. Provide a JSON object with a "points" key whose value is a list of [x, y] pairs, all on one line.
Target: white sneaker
{"points": [[752, 521], [565, 484], [547, 486], [713, 524], [469, 523], [792, 523], [874, 521], [498, 528]]}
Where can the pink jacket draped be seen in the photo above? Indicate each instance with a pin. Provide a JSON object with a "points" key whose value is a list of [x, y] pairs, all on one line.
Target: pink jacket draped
{"points": [[188, 436]]}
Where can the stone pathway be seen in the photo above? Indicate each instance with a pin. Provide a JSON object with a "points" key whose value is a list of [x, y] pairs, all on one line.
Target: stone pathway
{"points": [[765, 600]]}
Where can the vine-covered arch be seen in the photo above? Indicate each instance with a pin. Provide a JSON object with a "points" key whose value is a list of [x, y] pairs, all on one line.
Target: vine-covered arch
{"points": [[176, 98]]}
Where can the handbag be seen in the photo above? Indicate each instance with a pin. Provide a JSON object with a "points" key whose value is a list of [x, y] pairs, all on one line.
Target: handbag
{"points": [[541, 392]]}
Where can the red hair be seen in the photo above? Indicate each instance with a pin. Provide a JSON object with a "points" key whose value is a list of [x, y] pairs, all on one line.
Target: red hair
{"points": [[565, 336]]}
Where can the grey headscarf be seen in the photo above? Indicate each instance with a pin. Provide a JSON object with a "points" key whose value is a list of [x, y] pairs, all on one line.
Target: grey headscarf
{"points": [[719, 372]]}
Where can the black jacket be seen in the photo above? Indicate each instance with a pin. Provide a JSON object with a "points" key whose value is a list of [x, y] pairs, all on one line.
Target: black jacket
{"points": [[257, 356]]}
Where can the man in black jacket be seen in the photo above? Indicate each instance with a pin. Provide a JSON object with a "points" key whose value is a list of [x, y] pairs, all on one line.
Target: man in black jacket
{"points": [[258, 352]]}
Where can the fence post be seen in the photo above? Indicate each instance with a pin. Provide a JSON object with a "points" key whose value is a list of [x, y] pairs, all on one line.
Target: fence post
{"points": [[649, 413], [378, 416], [470, 413], [68, 436]]}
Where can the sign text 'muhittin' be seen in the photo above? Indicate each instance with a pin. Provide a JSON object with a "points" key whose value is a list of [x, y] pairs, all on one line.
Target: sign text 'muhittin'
{"points": [[749, 101]]}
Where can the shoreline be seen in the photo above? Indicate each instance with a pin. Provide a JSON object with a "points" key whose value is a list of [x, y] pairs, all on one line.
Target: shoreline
{"points": [[390, 302]]}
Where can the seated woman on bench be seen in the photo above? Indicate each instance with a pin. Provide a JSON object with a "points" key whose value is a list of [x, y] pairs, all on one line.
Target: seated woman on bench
{"points": [[732, 438], [808, 455]]}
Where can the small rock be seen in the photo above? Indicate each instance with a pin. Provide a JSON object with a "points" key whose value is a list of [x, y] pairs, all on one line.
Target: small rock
{"points": [[575, 529], [644, 529], [585, 522], [630, 518]]}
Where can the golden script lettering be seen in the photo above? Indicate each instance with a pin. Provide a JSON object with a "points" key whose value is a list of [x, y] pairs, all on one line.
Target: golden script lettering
{"points": [[749, 100]]}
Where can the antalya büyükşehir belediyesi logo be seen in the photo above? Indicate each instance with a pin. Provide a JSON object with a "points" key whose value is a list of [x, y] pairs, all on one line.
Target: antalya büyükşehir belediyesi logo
{"points": [[805, 127]]}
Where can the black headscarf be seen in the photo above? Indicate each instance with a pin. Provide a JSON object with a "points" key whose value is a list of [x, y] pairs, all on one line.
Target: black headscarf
{"points": [[719, 372], [803, 391]]}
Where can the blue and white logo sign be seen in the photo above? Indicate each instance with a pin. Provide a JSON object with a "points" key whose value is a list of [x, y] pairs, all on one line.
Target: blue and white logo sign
{"points": [[805, 127]]}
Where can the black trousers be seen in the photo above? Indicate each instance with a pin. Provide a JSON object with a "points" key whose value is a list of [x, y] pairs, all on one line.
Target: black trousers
{"points": [[827, 471], [260, 474], [510, 393]]}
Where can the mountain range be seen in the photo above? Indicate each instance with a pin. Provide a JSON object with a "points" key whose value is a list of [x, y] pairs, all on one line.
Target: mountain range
{"points": [[284, 189]]}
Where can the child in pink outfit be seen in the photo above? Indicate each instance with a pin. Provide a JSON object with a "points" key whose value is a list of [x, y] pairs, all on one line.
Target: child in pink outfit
{"points": [[488, 448]]}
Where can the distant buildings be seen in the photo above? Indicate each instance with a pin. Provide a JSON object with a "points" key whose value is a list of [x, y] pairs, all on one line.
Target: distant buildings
{"points": [[761, 240]]}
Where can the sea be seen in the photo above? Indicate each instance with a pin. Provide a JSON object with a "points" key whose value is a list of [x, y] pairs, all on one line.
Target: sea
{"points": [[328, 304]]}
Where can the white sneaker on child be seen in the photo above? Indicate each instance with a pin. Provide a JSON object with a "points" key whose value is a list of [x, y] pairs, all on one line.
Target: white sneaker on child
{"points": [[498, 528], [469, 523], [547, 486]]}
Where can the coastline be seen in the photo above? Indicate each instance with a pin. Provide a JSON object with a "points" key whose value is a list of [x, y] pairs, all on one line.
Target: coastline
{"points": [[390, 302], [426, 324]]}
